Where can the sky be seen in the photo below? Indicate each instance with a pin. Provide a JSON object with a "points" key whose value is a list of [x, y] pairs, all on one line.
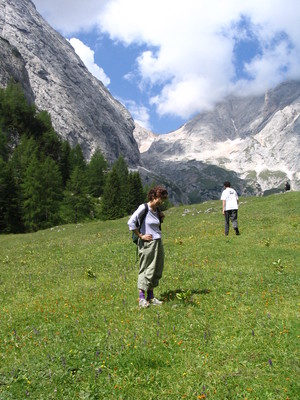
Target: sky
{"points": [[168, 60]]}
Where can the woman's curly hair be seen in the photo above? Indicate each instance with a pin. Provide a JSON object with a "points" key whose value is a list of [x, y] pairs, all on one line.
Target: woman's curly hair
{"points": [[158, 192]]}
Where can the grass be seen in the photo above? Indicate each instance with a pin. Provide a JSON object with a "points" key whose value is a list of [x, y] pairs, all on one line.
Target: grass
{"points": [[71, 327]]}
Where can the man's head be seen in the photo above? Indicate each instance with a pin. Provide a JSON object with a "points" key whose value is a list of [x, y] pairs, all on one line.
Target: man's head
{"points": [[227, 184]]}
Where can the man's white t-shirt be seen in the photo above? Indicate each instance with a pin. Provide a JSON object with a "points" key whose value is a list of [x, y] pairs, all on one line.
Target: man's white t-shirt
{"points": [[231, 198]]}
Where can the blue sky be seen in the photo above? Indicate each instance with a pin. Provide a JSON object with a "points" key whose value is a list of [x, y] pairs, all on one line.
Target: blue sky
{"points": [[167, 60]]}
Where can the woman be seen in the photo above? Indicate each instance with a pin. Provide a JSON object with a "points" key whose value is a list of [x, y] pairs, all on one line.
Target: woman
{"points": [[150, 246]]}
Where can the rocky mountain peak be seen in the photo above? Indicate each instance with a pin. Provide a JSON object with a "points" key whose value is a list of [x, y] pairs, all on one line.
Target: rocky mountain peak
{"points": [[253, 141], [82, 109]]}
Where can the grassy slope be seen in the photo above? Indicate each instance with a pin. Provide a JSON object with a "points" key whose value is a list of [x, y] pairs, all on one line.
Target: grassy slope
{"points": [[66, 334]]}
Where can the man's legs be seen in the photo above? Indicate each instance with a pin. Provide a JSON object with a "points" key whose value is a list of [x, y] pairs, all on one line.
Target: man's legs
{"points": [[233, 217], [227, 215]]}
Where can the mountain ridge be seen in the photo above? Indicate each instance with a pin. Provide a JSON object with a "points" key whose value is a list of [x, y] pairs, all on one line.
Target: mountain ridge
{"points": [[81, 108], [254, 141], [256, 137]]}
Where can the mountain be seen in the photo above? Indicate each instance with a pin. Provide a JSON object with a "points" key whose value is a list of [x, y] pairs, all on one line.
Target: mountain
{"points": [[53, 76], [13, 66], [253, 141]]}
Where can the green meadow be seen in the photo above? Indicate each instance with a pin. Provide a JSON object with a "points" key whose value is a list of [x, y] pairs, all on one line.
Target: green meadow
{"points": [[70, 326]]}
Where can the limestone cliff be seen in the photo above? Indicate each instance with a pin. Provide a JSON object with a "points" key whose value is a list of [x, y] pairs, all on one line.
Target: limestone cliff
{"points": [[82, 109], [254, 141]]}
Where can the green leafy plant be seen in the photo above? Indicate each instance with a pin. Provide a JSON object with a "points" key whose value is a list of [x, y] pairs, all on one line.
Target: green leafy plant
{"points": [[279, 265], [184, 295], [90, 274]]}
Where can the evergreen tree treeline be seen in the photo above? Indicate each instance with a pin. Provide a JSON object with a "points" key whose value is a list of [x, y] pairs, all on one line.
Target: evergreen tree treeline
{"points": [[44, 182]]}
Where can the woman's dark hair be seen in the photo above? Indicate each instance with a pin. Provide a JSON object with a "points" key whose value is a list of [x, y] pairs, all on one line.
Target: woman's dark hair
{"points": [[158, 191]]}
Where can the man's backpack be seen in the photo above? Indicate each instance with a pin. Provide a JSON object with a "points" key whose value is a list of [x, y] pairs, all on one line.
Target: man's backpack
{"points": [[135, 237]]}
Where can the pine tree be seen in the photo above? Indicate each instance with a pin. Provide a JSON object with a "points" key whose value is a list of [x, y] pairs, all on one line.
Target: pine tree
{"points": [[42, 193], [77, 203], [39, 166], [96, 170], [3, 146], [24, 153], [111, 204], [121, 169], [47, 139], [32, 195], [64, 164], [136, 194], [3, 191], [76, 159], [52, 193], [16, 114], [22, 156], [14, 211]]}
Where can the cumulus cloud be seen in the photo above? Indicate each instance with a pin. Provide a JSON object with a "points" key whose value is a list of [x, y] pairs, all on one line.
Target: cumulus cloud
{"points": [[70, 16], [139, 113], [87, 56], [197, 52]]}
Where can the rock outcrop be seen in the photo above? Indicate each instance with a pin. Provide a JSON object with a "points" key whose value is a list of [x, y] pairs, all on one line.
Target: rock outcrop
{"points": [[253, 141], [82, 109]]}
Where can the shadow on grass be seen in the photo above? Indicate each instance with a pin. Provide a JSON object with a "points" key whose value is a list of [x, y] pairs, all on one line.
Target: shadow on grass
{"points": [[171, 295]]}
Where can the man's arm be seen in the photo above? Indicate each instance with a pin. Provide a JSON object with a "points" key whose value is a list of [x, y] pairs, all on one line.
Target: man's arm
{"points": [[224, 206]]}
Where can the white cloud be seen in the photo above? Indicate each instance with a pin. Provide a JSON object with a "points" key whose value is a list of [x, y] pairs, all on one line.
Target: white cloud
{"points": [[71, 16], [87, 56], [195, 42], [139, 113], [189, 64]]}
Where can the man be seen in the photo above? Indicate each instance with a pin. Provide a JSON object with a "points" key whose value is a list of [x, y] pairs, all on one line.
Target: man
{"points": [[230, 207]]}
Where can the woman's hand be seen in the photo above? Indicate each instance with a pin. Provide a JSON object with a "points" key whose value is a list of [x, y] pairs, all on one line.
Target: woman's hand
{"points": [[146, 238]]}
